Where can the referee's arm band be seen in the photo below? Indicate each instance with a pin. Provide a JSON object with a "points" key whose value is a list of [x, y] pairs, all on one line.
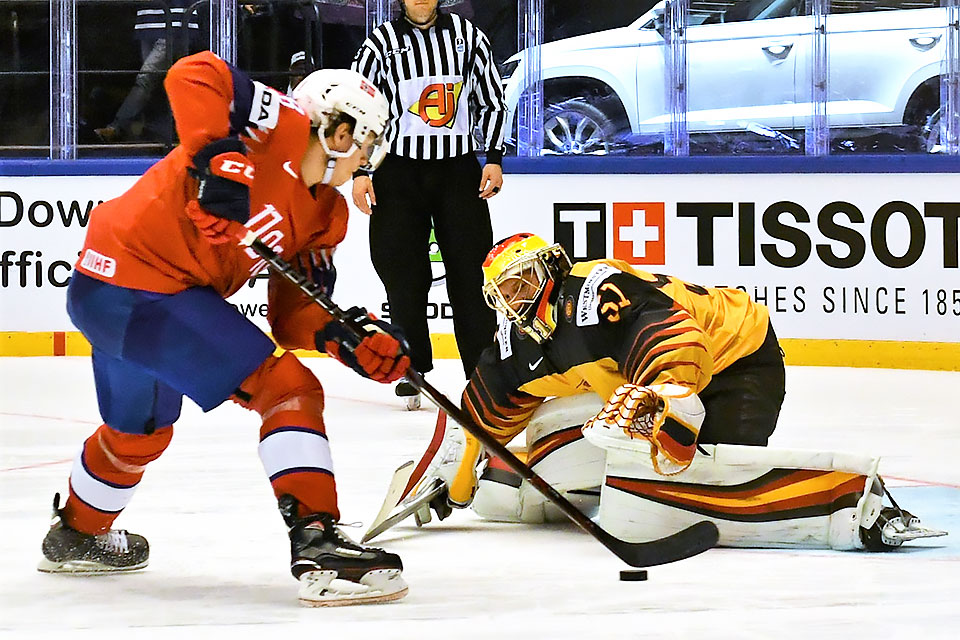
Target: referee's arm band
{"points": [[494, 156]]}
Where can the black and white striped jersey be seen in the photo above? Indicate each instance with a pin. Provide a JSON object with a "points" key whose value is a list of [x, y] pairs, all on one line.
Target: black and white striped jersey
{"points": [[152, 19], [436, 80]]}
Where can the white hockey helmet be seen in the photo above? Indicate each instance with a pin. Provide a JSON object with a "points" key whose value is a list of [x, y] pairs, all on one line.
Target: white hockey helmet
{"points": [[326, 93]]}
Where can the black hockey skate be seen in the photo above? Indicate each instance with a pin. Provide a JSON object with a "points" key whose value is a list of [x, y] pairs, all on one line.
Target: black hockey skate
{"points": [[409, 393], [333, 569], [67, 550]]}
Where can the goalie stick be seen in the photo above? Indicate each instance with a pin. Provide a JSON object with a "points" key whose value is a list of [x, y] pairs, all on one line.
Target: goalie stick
{"points": [[691, 541], [405, 478]]}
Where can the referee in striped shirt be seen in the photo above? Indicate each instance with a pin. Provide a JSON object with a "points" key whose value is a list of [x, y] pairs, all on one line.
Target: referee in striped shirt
{"points": [[437, 71]]}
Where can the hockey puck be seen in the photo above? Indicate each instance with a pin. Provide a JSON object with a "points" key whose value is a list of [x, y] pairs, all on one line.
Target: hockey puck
{"points": [[633, 575]]}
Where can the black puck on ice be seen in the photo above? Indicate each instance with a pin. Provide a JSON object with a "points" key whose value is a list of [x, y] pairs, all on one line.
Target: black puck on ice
{"points": [[633, 575]]}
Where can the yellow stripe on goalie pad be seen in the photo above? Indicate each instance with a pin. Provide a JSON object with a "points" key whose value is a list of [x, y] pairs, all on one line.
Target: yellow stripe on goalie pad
{"points": [[776, 491]]}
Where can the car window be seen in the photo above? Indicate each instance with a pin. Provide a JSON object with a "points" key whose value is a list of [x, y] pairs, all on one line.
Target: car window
{"points": [[743, 11], [863, 6]]}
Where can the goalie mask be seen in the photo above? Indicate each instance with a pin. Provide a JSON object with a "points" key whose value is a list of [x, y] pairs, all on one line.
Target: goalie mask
{"points": [[521, 279], [327, 93]]}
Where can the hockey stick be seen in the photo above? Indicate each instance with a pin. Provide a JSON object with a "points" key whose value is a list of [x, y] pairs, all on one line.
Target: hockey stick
{"points": [[405, 478], [689, 542]]}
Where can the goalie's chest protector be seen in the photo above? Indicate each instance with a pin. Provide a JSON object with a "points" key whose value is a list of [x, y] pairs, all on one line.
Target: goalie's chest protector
{"points": [[578, 358]]}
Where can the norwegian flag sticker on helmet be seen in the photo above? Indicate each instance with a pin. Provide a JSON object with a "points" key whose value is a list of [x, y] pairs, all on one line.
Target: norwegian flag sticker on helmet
{"points": [[366, 86]]}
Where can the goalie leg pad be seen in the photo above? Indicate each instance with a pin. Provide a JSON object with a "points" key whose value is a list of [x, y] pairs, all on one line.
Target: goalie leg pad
{"points": [[557, 452], [757, 497]]}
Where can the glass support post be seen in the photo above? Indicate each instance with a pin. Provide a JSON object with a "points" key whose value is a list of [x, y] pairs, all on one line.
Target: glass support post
{"points": [[676, 138], [63, 79], [950, 82], [223, 29], [530, 106], [378, 12], [817, 135]]}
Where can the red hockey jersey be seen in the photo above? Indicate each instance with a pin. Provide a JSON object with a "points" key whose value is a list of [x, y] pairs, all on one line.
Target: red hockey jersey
{"points": [[144, 239]]}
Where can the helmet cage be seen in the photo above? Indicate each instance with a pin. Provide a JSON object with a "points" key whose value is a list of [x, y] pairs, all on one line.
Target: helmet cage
{"points": [[525, 291]]}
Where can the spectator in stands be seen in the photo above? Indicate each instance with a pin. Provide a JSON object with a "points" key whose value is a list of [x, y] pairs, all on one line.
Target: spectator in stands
{"points": [[165, 34]]}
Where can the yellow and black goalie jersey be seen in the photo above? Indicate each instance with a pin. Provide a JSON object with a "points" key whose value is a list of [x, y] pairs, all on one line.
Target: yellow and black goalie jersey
{"points": [[615, 324]]}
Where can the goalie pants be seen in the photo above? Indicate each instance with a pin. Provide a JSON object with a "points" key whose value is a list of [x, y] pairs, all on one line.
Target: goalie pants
{"points": [[412, 196], [743, 401], [149, 350]]}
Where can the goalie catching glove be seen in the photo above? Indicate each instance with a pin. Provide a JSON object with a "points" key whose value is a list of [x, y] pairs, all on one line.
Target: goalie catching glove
{"points": [[379, 353], [665, 418]]}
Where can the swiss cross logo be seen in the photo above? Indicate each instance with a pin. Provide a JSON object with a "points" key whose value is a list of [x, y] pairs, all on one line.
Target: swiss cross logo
{"points": [[638, 232]]}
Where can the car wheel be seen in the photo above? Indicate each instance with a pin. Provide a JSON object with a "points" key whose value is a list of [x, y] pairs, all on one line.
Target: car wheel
{"points": [[576, 127]]}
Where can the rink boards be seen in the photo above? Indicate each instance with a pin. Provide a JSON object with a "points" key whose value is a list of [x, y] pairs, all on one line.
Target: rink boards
{"points": [[856, 268]]}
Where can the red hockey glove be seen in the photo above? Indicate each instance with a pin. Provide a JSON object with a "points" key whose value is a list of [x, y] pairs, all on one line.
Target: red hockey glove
{"points": [[224, 176], [215, 229], [379, 355]]}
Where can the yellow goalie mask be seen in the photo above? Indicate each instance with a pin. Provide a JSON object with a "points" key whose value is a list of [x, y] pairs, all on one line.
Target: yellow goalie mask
{"points": [[521, 279]]}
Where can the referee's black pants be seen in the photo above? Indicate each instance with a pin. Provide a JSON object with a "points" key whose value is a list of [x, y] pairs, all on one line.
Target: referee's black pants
{"points": [[410, 194]]}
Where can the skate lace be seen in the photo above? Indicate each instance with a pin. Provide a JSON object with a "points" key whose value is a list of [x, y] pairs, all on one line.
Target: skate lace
{"points": [[114, 540], [345, 541]]}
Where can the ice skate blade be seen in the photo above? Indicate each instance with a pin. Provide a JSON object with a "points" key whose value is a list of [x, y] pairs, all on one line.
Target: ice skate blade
{"points": [[324, 589], [895, 537], [84, 567], [412, 403]]}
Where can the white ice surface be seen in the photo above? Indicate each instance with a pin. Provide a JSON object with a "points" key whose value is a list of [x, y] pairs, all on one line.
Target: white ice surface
{"points": [[219, 561]]}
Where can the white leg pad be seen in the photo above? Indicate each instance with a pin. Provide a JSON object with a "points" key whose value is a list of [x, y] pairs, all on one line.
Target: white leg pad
{"points": [[757, 496], [558, 453]]}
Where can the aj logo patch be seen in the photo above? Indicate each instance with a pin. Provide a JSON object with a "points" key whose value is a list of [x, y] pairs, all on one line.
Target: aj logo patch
{"points": [[437, 105]]}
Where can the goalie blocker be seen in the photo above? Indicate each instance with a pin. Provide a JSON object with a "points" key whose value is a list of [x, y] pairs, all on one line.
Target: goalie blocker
{"points": [[757, 496]]}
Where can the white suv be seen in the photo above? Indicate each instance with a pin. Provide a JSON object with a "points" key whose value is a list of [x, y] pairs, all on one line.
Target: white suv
{"points": [[748, 75]]}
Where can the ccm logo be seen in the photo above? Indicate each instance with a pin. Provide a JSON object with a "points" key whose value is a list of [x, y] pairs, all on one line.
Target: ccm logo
{"points": [[232, 166]]}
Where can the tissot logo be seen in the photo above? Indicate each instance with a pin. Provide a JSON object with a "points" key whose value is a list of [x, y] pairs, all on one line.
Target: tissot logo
{"points": [[840, 235], [581, 229], [638, 232]]}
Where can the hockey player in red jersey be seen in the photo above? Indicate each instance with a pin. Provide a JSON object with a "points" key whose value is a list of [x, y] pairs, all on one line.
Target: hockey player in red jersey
{"points": [[148, 293]]}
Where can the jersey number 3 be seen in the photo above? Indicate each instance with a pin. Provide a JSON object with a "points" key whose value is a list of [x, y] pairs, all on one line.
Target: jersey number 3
{"points": [[612, 300]]}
